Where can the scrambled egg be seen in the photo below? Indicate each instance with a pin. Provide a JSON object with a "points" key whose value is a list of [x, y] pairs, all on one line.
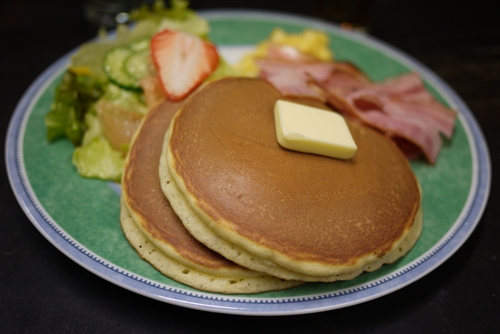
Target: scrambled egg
{"points": [[310, 42]]}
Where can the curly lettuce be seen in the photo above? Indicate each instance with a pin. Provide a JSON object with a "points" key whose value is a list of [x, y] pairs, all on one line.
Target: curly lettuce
{"points": [[73, 98]]}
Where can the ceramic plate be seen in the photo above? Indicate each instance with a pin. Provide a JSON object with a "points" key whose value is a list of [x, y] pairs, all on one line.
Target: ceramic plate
{"points": [[81, 216]]}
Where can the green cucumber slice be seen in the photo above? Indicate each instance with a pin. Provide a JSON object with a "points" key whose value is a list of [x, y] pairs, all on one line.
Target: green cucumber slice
{"points": [[138, 64], [126, 65], [114, 63]]}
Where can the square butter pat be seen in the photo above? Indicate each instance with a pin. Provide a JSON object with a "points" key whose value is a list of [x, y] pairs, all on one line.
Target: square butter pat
{"points": [[312, 130]]}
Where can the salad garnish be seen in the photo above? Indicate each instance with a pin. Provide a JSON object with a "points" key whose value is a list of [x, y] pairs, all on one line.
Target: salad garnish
{"points": [[111, 83]]}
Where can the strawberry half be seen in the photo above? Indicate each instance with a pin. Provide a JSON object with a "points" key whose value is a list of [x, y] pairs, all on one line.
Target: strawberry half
{"points": [[183, 61]]}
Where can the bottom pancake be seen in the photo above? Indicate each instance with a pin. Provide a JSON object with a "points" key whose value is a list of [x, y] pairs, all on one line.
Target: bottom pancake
{"points": [[158, 235], [191, 276]]}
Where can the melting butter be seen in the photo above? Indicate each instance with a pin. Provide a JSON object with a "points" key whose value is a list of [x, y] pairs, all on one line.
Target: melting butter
{"points": [[312, 130]]}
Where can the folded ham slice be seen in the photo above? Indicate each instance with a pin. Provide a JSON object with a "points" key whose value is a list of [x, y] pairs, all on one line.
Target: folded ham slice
{"points": [[400, 107]]}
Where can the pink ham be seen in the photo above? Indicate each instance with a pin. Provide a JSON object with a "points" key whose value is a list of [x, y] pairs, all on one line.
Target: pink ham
{"points": [[413, 130], [293, 84], [400, 107], [295, 78], [410, 88], [319, 71], [393, 105], [401, 110], [301, 78]]}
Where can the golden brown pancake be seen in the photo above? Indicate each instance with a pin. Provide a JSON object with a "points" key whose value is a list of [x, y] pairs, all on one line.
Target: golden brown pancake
{"points": [[293, 215], [156, 232]]}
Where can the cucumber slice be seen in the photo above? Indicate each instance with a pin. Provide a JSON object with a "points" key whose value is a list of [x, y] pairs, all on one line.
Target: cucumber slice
{"points": [[126, 65], [114, 63], [138, 64]]}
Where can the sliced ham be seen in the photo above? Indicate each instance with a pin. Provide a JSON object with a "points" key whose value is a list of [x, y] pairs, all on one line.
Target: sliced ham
{"points": [[399, 127], [401, 111], [293, 84], [319, 71], [295, 78], [413, 130], [301, 78], [393, 105], [410, 88], [401, 107]]}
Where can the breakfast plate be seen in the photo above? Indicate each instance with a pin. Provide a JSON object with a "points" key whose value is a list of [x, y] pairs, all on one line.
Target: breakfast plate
{"points": [[81, 216]]}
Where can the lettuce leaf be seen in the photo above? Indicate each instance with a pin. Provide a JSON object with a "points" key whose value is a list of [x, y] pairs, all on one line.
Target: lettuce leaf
{"points": [[97, 159], [74, 96], [94, 128]]}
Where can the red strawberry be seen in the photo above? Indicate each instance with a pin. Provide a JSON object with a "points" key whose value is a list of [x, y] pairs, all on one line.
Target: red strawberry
{"points": [[183, 61]]}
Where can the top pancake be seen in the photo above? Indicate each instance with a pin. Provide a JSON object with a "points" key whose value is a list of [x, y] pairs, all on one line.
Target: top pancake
{"points": [[305, 212], [147, 213]]}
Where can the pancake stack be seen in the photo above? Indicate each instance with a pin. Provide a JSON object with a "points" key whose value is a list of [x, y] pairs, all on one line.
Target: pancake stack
{"points": [[292, 215], [232, 198], [157, 234]]}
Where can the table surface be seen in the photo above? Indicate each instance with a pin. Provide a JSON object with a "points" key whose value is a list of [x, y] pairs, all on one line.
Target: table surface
{"points": [[41, 290]]}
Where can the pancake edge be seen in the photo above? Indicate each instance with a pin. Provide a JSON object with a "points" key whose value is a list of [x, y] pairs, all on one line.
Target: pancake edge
{"points": [[191, 276], [171, 252]]}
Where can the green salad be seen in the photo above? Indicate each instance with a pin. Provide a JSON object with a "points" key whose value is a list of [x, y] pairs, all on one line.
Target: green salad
{"points": [[100, 101]]}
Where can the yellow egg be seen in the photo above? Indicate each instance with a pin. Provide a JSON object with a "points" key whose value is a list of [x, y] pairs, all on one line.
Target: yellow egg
{"points": [[310, 42]]}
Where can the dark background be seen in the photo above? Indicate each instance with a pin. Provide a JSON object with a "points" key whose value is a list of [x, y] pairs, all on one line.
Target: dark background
{"points": [[41, 290]]}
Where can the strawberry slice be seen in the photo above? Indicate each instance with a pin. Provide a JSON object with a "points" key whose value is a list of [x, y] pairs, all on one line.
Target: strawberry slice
{"points": [[183, 61]]}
